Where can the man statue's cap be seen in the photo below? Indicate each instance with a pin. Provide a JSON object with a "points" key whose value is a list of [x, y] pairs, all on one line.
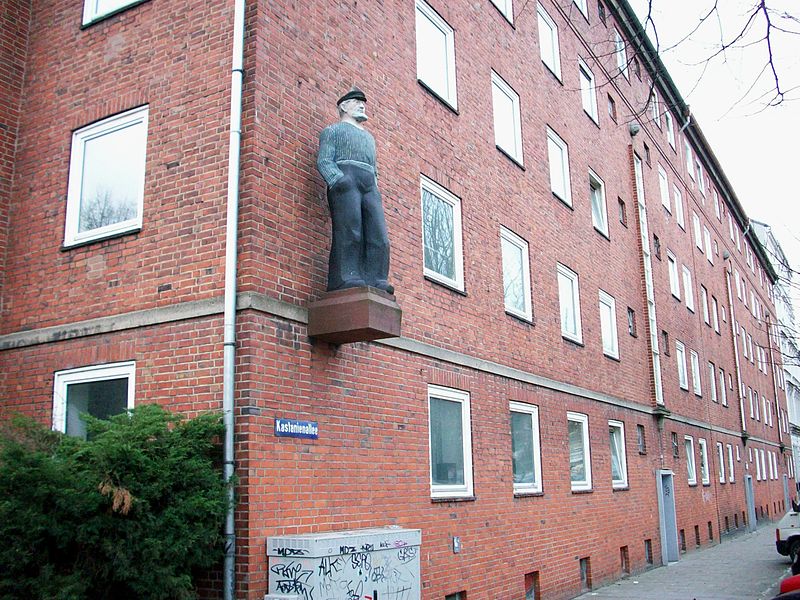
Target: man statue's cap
{"points": [[353, 94]]}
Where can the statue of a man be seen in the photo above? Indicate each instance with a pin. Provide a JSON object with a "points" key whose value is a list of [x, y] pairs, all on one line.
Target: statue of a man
{"points": [[360, 245]]}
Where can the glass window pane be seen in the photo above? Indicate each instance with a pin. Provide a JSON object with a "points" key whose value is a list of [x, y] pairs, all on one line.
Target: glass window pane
{"points": [[504, 126], [113, 175], [566, 292], [577, 463], [556, 159], [432, 55], [522, 447], [447, 443], [439, 248], [513, 279], [100, 399], [615, 438]]}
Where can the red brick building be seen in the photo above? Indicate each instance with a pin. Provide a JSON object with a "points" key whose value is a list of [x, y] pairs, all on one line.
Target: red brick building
{"points": [[586, 311]]}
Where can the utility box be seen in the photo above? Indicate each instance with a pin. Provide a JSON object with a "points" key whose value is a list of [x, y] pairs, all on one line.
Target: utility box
{"points": [[369, 564]]}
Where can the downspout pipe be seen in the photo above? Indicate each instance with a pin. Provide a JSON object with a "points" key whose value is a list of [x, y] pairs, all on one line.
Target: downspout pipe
{"points": [[726, 255], [773, 367], [229, 323]]}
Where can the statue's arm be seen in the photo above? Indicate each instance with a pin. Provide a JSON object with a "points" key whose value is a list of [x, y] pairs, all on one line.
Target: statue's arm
{"points": [[326, 163]]}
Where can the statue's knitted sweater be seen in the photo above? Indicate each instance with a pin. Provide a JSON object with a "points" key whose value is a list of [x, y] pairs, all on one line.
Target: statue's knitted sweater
{"points": [[344, 143]]}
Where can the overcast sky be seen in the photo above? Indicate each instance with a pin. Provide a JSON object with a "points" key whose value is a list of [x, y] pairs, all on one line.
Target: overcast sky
{"points": [[757, 145]]}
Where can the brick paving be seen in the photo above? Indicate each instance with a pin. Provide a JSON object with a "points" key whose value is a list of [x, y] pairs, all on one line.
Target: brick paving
{"points": [[743, 567]]}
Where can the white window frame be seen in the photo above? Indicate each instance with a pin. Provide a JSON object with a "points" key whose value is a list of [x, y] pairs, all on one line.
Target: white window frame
{"points": [[691, 465], [731, 474], [678, 202], [698, 234], [621, 53], [596, 185], [670, 128], [715, 313], [138, 117], [506, 8], [722, 387], [721, 461], [566, 272], [655, 112], [553, 139], [688, 288], [680, 359], [499, 86], [697, 383], [689, 162], [620, 427], [701, 182], [712, 380], [443, 194], [663, 184], [462, 397], [717, 211], [707, 243], [704, 303], [583, 419], [581, 4], [89, 374], [92, 12], [705, 471], [515, 240], [588, 90], [674, 275], [533, 411], [610, 339], [548, 34], [445, 89]]}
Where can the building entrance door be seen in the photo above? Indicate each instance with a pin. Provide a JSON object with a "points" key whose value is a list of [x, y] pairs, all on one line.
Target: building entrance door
{"points": [[666, 516], [750, 498]]}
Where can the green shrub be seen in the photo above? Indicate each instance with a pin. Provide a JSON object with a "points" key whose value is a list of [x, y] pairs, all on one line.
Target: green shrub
{"points": [[131, 513]]}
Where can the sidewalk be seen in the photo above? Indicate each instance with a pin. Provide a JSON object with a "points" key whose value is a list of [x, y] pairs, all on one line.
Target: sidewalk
{"points": [[745, 567]]}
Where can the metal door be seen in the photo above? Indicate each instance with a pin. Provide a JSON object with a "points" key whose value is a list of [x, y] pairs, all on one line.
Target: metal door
{"points": [[666, 516]]}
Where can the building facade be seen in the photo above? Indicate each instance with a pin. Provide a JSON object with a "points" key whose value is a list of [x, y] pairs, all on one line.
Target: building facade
{"points": [[583, 384]]}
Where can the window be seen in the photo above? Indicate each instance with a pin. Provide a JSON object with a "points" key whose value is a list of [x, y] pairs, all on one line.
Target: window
{"points": [[456, 596], [655, 112], [723, 391], [580, 466], [525, 455], [663, 185], [588, 90], [559, 167], [688, 288], [608, 325], [701, 184], [712, 381], [597, 198], [707, 240], [631, 322], [506, 8], [623, 213], [689, 163], [436, 57], [101, 391], [569, 300], [516, 274], [698, 235], [691, 471], [675, 449], [656, 246], [646, 153], [601, 11], [731, 477], [619, 467], [680, 358], [717, 207], [619, 51], [105, 194], [441, 235], [670, 128], [581, 4], [548, 42], [721, 462], [674, 280], [507, 125], [715, 313], [696, 383], [678, 207], [612, 108], [450, 442], [95, 10], [641, 439], [704, 302], [665, 342]]}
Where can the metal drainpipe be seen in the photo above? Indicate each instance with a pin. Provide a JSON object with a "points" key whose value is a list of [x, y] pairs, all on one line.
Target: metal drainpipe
{"points": [[735, 344], [229, 323], [774, 378]]}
